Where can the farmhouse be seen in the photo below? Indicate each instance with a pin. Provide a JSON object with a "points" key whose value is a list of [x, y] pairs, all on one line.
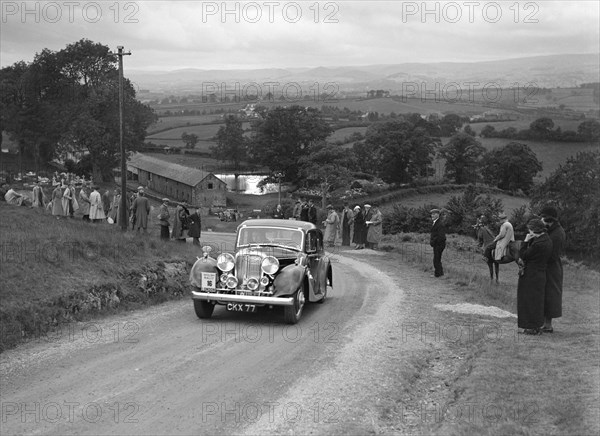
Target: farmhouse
{"points": [[178, 182]]}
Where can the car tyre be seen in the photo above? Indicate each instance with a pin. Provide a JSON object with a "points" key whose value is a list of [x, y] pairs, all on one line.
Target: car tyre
{"points": [[203, 309], [293, 313]]}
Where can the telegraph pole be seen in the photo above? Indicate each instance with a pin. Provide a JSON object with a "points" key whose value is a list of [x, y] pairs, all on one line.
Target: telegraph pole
{"points": [[123, 212]]}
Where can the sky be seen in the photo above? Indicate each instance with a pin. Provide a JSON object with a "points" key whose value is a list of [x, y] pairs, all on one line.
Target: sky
{"points": [[210, 35]]}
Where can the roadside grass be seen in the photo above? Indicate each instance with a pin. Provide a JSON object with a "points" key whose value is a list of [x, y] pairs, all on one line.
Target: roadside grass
{"points": [[520, 384], [48, 262]]}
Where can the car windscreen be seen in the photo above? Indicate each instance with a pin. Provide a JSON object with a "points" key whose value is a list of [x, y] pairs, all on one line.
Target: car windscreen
{"points": [[291, 238]]}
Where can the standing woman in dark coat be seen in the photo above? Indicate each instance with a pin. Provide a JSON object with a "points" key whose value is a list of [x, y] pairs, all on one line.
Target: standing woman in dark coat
{"points": [[554, 273], [195, 226], [360, 229], [534, 256]]}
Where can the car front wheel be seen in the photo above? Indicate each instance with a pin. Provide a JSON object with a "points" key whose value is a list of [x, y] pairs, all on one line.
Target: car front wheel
{"points": [[203, 309], [292, 313]]}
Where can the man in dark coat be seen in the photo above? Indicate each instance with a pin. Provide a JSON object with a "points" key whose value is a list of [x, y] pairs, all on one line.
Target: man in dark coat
{"points": [[195, 224], [141, 209], [437, 242], [304, 210], [554, 273], [312, 212], [534, 255], [360, 228]]}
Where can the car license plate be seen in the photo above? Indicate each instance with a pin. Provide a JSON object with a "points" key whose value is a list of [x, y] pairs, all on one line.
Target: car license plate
{"points": [[208, 282], [241, 307]]}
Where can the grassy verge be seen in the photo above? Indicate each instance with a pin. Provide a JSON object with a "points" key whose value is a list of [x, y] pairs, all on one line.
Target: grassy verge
{"points": [[63, 270], [510, 383]]}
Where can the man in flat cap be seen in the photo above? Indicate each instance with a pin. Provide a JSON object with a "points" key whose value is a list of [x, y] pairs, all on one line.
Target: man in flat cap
{"points": [[554, 272], [437, 241]]}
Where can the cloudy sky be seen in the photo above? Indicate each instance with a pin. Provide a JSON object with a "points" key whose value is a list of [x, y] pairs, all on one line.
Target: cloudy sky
{"points": [[227, 35]]}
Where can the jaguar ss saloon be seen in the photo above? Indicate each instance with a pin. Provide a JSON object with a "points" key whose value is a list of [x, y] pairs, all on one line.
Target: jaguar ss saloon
{"points": [[275, 263]]}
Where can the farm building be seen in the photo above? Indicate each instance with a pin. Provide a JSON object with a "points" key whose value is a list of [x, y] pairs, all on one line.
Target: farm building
{"points": [[178, 182]]}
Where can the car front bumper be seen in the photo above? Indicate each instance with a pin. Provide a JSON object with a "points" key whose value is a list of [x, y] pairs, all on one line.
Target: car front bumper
{"points": [[247, 299]]}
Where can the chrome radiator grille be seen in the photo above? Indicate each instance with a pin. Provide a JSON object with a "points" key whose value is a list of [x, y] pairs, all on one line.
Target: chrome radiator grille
{"points": [[248, 265]]}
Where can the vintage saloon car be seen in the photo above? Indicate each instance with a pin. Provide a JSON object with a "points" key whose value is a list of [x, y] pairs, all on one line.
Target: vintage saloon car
{"points": [[276, 263]]}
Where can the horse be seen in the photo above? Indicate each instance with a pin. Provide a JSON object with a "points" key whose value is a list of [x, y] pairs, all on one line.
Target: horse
{"points": [[485, 237]]}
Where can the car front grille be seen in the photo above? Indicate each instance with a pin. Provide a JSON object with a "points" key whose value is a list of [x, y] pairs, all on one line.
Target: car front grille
{"points": [[247, 266]]}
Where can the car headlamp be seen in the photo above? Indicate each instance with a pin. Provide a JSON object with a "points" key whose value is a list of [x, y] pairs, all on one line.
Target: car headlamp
{"points": [[264, 280], [252, 284], [232, 282], [270, 265], [225, 262]]}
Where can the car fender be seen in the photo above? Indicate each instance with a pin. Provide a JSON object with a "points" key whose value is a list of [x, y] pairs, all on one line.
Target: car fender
{"points": [[289, 280], [203, 264]]}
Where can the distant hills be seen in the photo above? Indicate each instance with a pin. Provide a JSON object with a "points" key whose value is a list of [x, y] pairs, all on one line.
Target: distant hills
{"points": [[567, 70]]}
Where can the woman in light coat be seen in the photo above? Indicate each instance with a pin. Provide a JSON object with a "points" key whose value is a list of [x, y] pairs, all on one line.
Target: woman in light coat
{"points": [[57, 209], [374, 230], [332, 226], [96, 209]]}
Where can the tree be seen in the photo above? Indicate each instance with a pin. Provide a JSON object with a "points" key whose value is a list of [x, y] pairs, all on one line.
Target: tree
{"points": [[589, 130], [231, 144], [465, 209], [462, 154], [542, 127], [511, 167], [488, 131], [401, 151], [284, 135], [469, 130], [573, 189], [189, 139], [68, 101], [450, 124], [326, 167]]}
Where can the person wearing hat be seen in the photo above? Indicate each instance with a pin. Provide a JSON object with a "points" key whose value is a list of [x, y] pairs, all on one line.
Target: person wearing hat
{"points": [[312, 212], [554, 273], [163, 219], [500, 243], [278, 213], [332, 226], [141, 209], [297, 210], [84, 202], [437, 241], [57, 208], [347, 224], [195, 224], [181, 222], [304, 210], [368, 215], [374, 230], [96, 209], [360, 227], [533, 261]]}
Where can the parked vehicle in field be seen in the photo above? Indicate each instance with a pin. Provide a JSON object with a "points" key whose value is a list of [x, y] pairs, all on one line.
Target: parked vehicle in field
{"points": [[275, 263]]}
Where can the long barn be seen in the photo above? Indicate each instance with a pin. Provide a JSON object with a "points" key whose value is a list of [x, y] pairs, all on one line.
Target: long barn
{"points": [[178, 182]]}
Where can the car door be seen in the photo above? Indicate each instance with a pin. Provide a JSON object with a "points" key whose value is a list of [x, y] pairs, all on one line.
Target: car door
{"points": [[315, 254]]}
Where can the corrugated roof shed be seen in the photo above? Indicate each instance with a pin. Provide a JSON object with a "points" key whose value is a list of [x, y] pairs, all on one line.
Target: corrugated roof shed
{"points": [[179, 173]]}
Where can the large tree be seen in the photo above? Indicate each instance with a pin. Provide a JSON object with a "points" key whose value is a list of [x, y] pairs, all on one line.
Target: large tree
{"points": [[462, 154], [402, 151], [70, 101], [284, 135], [231, 144], [326, 167], [511, 167], [573, 189]]}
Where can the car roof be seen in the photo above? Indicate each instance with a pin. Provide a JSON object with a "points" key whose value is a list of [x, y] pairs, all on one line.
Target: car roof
{"points": [[288, 224]]}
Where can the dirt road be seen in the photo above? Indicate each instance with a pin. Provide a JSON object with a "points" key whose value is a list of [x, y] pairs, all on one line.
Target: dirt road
{"points": [[163, 371]]}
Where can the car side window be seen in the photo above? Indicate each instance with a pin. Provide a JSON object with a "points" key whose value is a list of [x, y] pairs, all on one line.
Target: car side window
{"points": [[311, 242]]}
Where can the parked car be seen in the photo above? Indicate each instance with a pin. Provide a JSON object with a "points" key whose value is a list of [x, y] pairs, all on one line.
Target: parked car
{"points": [[275, 263]]}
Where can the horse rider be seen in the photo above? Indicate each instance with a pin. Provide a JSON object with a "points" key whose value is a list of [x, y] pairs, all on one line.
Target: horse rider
{"points": [[500, 243]]}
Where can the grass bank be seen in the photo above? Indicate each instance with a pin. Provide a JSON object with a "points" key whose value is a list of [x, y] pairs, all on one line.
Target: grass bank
{"points": [[63, 270], [516, 384]]}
